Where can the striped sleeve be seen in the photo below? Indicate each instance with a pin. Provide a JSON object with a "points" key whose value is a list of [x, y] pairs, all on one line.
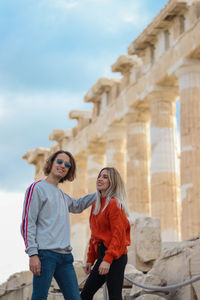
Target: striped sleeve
{"points": [[29, 217]]}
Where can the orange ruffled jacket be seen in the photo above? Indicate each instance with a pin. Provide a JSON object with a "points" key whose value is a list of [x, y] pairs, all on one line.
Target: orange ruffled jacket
{"points": [[111, 227]]}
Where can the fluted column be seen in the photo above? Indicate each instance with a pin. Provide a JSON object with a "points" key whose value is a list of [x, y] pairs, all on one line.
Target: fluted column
{"points": [[79, 221], [80, 183], [189, 79], [164, 160], [39, 165], [96, 161], [38, 158], [138, 156], [116, 148], [67, 187]]}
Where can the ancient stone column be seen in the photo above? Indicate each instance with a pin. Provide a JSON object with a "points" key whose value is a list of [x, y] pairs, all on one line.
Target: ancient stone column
{"points": [[80, 184], [164, 160], [61, 136], [38, 158], [189, 79], [79, 221], [67, 187], [116, 148], [138, 159], [96, 161]]}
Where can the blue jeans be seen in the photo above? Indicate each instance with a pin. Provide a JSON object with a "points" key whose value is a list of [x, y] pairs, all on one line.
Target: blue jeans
{"points": [[59, 266]]}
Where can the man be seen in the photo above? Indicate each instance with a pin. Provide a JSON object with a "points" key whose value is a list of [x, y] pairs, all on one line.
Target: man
{"points": [[46, 228]]}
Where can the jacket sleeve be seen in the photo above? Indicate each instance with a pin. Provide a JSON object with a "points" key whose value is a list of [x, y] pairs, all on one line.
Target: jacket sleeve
{"points": [[31, 208], [78, 205], [119, 229]]}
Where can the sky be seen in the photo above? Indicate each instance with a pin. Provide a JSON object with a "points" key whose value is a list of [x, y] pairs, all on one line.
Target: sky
{"points": [[51, 53]]}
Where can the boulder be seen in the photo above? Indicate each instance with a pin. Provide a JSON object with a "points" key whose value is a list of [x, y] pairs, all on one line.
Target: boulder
{"points": [[146, 243]]}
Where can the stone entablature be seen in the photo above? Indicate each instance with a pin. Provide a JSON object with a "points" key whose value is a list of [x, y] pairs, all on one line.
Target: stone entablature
{"points": [[59, 134], [83, 119], [125, 62], [99, 95], [163, 21], [133, 123]]}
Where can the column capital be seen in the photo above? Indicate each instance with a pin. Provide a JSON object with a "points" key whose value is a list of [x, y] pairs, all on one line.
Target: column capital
{"points": [[188, 72], [161, 92], [137, 114], [116, 131], [59, 134], [33, 156], [101, 86], [79, 157], [185, 65], [125, 62], [97, 147]]}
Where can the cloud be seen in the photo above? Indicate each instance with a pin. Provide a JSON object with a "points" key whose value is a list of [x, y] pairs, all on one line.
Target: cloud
{"points": [[96, 16], [52, 52], [2, 107], [47, 47], [62, 4], [26, 124], [10, 218]]}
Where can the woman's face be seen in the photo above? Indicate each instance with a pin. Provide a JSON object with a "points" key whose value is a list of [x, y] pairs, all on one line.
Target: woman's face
{"points": [[103, 182]]}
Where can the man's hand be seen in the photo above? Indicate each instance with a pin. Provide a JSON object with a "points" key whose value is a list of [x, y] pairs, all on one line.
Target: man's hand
{"points": [[104, 268], [87, 268], [35, 265]]}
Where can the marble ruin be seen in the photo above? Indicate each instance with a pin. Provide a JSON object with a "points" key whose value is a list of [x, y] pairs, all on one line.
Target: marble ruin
{"points": [[133, 127], [151, 262]]}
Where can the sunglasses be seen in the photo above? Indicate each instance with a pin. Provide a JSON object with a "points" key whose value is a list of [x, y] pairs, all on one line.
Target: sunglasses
{"points": [[60, 161]]}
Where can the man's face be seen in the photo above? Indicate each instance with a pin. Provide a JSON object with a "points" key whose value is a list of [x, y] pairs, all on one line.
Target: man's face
{"points": [[61, 165]]}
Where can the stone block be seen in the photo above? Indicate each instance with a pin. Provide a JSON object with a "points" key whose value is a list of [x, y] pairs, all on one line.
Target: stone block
{"points": [[150, 297], [147, 280], [3, 287], [27, 292], [194, 262], [80, 273], [173, 267], [19, 279], [132, 273], [146, 245], [100, 294]]}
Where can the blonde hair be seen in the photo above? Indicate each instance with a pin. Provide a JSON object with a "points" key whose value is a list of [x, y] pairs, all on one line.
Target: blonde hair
{"points": [[115, 190]]}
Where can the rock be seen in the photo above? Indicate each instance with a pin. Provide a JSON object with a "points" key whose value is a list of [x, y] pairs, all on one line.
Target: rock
{"points": [[146, 243], [173, 267], [150, 297]]}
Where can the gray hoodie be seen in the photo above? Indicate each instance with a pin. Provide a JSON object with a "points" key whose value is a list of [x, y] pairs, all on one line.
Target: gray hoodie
{"points": [[45, 219]]}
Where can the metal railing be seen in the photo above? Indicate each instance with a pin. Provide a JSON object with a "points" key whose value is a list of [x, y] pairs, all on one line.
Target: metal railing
{"points": [[160, 289], [171, 289]]}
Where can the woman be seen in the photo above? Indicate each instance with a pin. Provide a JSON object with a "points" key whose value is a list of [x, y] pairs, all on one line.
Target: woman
{"points": [[110, 236]]}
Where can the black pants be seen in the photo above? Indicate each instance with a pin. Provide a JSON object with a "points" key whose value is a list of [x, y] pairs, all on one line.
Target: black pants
{"points": [[114, 278]]}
